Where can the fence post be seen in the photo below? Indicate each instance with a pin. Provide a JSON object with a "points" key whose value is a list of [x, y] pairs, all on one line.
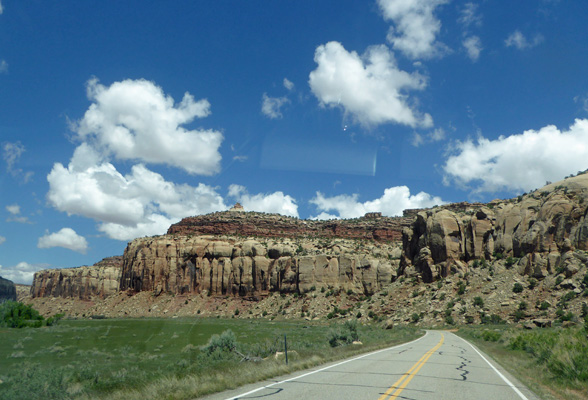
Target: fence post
{"points": [[286, 348]]}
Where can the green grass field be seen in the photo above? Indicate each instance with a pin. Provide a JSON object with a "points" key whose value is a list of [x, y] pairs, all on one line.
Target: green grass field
{"points": [[161, 358], [552, 361]]}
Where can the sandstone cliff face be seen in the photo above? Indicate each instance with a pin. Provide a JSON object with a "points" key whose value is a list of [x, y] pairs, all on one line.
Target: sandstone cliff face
{"points": [[7, 290], [543, 229], [253, 224], [83, 283], [249, 268]]}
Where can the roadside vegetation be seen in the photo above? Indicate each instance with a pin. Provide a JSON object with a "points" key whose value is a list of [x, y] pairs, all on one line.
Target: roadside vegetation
{"points": [[552, 361], [171, 358]]}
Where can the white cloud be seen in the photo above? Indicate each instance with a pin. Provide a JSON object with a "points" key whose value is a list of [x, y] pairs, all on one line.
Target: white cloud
{"points": [[125, 206], [13, 209], [1, 9], [271, 106], [469, 16], [135, 120], [583, 101], [519, 162], [415, 27], [392, 203], [518, 40], [240, 158], [3, 66], [434, 136], [276, 202], [473, 46], [66, 238], [369, 88], [11, 153], [2, 239], [22, 272], [288, 84]]}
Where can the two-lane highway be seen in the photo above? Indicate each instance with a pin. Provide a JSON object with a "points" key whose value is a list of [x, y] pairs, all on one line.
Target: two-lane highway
{"points": [[440, 365]]}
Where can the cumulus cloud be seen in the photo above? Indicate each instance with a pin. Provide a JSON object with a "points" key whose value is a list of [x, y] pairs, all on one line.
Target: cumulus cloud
{"points": [[473, 47], [1, 9], [271, 106], [370, 88], [276, 202], [135, 120], [22, 272], [3, 67], [2, 239], [518, 40], [125, 206], [11, 153], [519, 162], [415, 27], [66, 238], [392, 203], [288, 84]]}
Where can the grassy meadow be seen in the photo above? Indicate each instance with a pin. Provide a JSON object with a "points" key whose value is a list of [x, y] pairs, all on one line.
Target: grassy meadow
{"points": [[552, 361], [164, 358]]}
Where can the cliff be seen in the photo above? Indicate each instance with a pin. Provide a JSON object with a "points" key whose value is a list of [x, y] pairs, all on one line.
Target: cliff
{"points": [[252, 224], [7, 290], [232, 266], [544, 232], [101, 279]]}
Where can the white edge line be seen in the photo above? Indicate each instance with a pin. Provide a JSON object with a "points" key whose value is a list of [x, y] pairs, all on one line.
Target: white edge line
{"points": [[325, 368], [509, 383]]}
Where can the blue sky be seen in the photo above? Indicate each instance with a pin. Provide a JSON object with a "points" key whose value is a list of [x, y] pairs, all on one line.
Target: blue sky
{"points": [[120, 118]]}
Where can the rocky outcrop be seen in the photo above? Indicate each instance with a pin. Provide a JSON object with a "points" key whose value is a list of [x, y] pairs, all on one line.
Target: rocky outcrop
{"points": [[7, 290], [382, 229], [250, 268], [543, 229], [101, 280]]}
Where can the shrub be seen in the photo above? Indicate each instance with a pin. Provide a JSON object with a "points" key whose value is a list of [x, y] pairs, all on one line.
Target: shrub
{"points": [[532, 283], [478, 301], [544, 305], [220, 346], [522, 305], [469, 319], [461, 288], [415, 317], [491, 336], [449, 320], [344, 334], [510, 261], [498, 256], [14, 314], [517, 288], [518, 315]]}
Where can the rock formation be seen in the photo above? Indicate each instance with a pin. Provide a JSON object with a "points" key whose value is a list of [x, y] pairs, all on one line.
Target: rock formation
{"points": [[382, 229], [101, 279], [7, 290], [542, 230], [250, 268]]}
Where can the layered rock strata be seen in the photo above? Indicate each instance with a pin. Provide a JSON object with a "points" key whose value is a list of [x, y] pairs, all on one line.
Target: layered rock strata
{"points": [[251, 268], [251, 224], [545, 231], [102, 279], [7, 290]]}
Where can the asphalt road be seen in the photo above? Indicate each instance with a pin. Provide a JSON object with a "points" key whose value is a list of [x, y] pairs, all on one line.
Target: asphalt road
{"points": [[440, 365]]}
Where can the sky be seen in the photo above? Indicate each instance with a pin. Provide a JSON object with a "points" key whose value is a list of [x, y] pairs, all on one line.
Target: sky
{"points": [[117, 119]]}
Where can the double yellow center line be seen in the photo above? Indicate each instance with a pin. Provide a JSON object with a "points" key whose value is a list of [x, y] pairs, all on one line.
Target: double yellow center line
{"points": [[401, 383]]}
